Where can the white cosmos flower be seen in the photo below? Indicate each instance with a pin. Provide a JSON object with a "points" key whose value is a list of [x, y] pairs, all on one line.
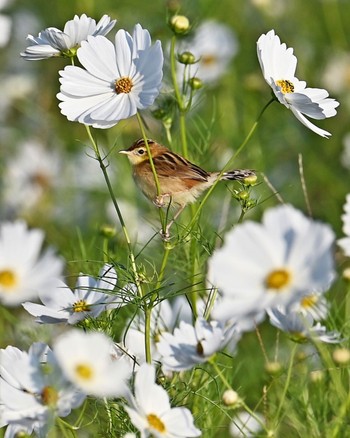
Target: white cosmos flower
{"points": [[53, 42], [88, 300], [33, 391], [300, 326], [189, 345], [117, 80], [164, 317], [30, 175], [274, 263], [87, 361], [151, 413], [24, 273], [344, 243], [278, 65], [214, 45]]}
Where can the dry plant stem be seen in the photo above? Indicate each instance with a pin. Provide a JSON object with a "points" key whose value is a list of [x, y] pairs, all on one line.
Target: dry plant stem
{"points": [[257, 331], [116, 206], [303, 184], [272, 188], [230, 161]]}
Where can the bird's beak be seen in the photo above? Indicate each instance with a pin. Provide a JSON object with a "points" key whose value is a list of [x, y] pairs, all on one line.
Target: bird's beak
{"points": [[124, 151]]}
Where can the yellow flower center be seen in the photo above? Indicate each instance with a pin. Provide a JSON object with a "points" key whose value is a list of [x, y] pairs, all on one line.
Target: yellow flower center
{"points": [[278, 279], [81, 306], [49, 396], [84, 371], [309, 301], [123, 85], [8, 279], [285, 85], [208, 60], [156, 423]]}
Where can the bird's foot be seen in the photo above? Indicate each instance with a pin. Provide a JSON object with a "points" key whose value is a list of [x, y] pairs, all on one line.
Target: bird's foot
{"points": [[162, 200]]}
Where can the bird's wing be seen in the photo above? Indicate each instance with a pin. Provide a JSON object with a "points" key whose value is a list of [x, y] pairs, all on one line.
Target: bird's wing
{"points": [[171, 165]]}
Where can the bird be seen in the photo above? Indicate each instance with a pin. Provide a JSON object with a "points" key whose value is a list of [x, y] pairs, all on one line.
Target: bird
{"points": [[180, 181]]}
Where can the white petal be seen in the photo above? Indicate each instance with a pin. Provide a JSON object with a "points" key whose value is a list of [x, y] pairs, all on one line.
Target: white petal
{"points": [[310, 125], [97, 55]]}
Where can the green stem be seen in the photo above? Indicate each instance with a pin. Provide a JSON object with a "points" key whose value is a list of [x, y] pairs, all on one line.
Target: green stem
{"points": [[173, 74], [63, 427], [162, 216], [241, 402], [288, 378], [183, 134], [166, 253], [230, 161], [119, 214], [148, 334]]}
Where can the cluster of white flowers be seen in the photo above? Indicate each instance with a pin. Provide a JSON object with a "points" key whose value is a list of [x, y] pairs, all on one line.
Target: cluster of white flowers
{"points": [[281, 267]]}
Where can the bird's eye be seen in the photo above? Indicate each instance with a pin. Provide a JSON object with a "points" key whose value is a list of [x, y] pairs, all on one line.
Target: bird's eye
{"points": [[141, 151]]}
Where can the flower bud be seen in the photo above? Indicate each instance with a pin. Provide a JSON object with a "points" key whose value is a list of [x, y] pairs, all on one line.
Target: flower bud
{"points": [[195, 83], [273, 368], [179, 24], [230, 397], [341, 356], [244, 194], [250, 180], [346, 274], [186, 58], [108, 231], [316, 376]]}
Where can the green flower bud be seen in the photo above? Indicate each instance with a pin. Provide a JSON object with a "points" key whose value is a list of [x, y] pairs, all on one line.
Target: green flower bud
{"points": [[179, 24], [186, 58], [195, 83], [250, 180], [108, 231]]}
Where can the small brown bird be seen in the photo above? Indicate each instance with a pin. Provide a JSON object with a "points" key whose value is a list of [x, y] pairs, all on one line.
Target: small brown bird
{"points": [[180, 181]]}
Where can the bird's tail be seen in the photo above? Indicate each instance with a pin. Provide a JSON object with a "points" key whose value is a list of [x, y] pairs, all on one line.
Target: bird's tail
{"points": [[237, 174]]}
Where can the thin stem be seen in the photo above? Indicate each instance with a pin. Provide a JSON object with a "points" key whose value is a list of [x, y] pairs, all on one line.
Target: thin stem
{"points": [[162, 217], [163, 265], [230, 161], [173, 73], [119, 214], [286, 386], [63, 425], [148, 334], [183, 134], [241, 402]]}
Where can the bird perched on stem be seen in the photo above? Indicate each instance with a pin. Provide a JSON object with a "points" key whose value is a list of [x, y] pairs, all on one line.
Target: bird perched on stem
{"points": [[180, 181]]}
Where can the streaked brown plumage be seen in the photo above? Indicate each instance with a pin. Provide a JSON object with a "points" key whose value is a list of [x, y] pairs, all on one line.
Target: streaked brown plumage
{"points": [[180, 181]]}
